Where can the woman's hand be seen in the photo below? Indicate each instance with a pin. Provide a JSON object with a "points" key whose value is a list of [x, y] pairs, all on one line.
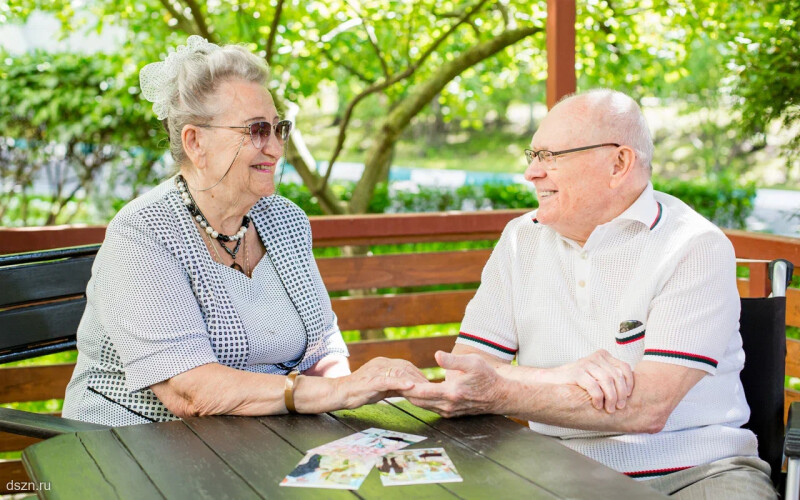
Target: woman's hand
{"points": [[375, 380]]}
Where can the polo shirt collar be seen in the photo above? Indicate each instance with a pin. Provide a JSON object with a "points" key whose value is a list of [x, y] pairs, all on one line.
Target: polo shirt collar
{"points": [[645, 209]]}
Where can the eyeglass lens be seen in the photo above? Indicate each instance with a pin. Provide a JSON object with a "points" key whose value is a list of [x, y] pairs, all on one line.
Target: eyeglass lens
{"points": [[542, 156], [260, 132]]}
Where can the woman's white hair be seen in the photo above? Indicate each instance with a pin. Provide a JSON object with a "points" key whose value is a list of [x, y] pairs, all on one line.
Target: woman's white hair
{"points": [[198, 78], [618, 118]]}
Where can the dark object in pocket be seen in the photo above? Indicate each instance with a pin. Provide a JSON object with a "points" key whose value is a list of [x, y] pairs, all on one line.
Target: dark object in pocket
{"points": [[629, 325]]}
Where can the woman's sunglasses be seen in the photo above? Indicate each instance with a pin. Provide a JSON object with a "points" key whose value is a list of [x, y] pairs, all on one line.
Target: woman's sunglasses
{"points": [[260, 131]]}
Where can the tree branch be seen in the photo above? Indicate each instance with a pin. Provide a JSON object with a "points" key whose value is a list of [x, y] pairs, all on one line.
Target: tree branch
{"points": [[273, 31], [374, 42], [338, 62], [409, 107], [183, 22], [386, 82], [199, 20]]}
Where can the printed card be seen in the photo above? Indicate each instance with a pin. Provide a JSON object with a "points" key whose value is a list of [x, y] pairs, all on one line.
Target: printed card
{"points": [[371, 442], [431, 465], [319, 470]]}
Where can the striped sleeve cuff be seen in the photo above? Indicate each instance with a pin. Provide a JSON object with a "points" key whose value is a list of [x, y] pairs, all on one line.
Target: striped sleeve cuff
{"points": [[483, 344], [689, 359]]}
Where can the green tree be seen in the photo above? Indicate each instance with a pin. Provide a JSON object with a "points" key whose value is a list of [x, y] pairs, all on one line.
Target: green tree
{"points": [[391, 55], [68, 116]]}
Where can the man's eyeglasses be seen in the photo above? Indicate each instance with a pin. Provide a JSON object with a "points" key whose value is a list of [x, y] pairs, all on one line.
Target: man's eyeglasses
{"points": [[548, 158], [260, 131]]}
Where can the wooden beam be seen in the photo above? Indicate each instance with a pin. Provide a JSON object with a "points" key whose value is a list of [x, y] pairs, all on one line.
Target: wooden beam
{"points": [[402, 270], [749, 245], [431, 226], [408, 309], [760, 284], [12, 471], [560, 50], [419, 351], [26, 239]]}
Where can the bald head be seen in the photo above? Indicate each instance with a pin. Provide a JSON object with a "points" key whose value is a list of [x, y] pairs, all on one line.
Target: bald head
{"points": [[604, 115]]}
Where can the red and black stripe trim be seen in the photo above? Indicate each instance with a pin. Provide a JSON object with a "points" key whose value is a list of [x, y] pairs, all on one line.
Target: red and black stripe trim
{"points": [[488, 343], [632, 338], [658, 215], [655, 472], [681, 355]]}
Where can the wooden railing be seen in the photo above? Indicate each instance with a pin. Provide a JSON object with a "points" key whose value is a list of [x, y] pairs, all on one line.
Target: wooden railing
{"points": [[374, 272]]}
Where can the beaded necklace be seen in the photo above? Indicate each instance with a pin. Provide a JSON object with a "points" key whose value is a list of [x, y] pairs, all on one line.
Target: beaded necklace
{"points": [[194, 209]]}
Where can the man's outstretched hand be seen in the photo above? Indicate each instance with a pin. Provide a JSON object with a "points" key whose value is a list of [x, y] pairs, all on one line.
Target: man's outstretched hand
{"points": [[471, 387]]}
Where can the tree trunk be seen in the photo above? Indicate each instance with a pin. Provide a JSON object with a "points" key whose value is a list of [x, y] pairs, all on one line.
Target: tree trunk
{"points": [[394, 124]]}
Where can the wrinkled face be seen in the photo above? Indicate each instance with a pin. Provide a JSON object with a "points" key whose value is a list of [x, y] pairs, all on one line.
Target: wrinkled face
{"points": [[574, 197], [252, 175]]}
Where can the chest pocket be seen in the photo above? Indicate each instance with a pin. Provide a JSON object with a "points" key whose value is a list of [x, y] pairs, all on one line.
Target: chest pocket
{"points": [[630, 341]]}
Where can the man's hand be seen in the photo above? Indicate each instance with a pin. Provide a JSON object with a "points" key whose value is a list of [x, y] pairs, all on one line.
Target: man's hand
{"points": [[607, 380], [472, 386]]}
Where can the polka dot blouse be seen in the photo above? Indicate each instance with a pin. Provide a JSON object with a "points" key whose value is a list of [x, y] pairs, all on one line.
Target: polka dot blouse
{"points": [[159, 305]]}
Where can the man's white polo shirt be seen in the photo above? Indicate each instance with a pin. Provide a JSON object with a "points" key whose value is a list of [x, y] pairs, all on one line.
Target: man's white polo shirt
{"points": [[656, 283]]}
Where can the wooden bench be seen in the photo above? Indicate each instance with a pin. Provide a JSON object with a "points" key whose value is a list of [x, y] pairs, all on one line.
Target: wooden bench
{"points": [[413, 273]]}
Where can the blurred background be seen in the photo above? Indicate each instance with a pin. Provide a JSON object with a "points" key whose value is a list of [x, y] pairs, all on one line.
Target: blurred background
{"points": [[417, 105]]}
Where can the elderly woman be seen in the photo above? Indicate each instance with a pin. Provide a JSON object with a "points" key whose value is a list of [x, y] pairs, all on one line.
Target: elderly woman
{"points": [[205, 297]]}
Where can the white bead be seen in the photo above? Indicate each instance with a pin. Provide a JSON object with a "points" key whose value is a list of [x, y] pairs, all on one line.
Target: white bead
{"points": [[203, 223], [209, 230], [199, 217], [214, 234], [187, 202], [243, 229], [185, 195]]}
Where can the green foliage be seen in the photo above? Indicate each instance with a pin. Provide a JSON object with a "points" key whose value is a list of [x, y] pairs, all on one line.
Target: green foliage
{"points": [[73, 117], [767, 53], [725, 201]]}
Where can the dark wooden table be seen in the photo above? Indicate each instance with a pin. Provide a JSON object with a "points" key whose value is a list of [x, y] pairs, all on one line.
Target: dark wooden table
{"points": [[239, 457]]}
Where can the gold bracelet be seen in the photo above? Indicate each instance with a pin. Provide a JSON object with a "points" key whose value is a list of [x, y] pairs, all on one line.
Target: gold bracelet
{"points": [[288, 392]]}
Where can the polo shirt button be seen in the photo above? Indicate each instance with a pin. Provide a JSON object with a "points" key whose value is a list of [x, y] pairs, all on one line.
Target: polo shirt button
{"points": [[584, 255], [581, 283]]}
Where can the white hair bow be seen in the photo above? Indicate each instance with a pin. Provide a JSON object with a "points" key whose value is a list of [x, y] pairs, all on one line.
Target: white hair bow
{"points": [[157, 80]]}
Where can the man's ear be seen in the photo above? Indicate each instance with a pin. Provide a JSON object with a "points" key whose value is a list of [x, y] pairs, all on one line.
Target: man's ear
{"points": [[193, 144], [623, 165]]}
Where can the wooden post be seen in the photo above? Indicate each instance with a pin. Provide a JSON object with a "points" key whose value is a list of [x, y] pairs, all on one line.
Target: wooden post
{"points": [[560, 50], [760, 284]]}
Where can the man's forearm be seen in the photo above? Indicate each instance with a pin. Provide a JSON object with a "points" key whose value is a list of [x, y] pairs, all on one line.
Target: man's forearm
{"points": [[525, 397]]}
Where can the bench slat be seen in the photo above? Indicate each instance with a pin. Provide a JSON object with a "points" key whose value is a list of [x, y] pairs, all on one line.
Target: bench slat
{"points": [[29, 283], [374, 229], [403, 270], [793, 358], [419, 351], [408, 309], [36, 324], [11, 470], [793, 307], [15, 442], [34, 383]]}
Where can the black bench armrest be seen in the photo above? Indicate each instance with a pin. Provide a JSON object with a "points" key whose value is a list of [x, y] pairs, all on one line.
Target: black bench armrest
{"points": [[41, 426], [791, 447]]}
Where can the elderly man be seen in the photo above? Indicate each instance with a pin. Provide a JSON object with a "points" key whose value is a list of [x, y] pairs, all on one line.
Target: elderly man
{"points": [[620, 305]]}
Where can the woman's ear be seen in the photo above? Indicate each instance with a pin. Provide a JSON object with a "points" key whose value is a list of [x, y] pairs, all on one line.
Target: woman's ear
{"points": [[193, 144], [623, 165]]}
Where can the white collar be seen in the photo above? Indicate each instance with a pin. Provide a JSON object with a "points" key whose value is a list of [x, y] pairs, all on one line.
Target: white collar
{"points": [[645, 209]]}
